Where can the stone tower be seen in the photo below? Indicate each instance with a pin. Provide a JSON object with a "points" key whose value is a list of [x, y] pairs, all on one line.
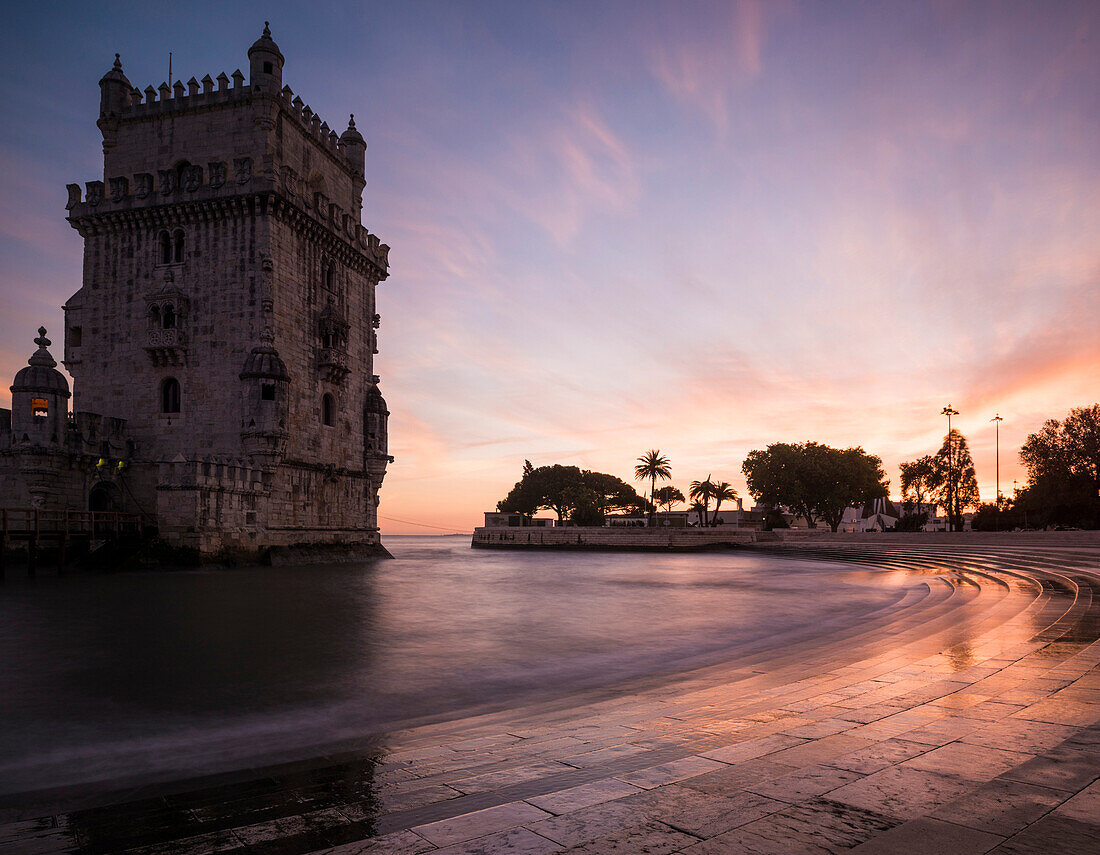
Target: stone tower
{"points": [[227, 312]]}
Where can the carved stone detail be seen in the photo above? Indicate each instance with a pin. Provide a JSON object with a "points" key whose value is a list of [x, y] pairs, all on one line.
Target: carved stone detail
{"points": [[95, 192], [120, 189], [217, 173], [143, 185], [242, 169], [192, 178], [167, 181]]}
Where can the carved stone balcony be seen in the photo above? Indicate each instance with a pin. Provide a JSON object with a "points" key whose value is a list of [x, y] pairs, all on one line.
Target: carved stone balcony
{"points": [[166, 346], [332, 362]]}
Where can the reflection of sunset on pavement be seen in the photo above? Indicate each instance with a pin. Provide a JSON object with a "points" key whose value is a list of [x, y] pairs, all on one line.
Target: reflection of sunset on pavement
{"points": [[617, 228]]}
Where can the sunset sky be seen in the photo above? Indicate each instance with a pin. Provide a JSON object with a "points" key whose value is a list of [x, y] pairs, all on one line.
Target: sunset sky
{"points": [[695, 227]]}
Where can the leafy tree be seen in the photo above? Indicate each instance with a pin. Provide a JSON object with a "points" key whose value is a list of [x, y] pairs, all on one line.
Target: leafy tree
{"points": [[813, 480], [916, 480], [1063, 467], [652, 465], [723, 492], [701, 492], [571, 494], [954, 483], [912, 522], [612, 495], [846, 477], [526, 496], [584, 507], [668, 496], [544, 487], [778, 475]]}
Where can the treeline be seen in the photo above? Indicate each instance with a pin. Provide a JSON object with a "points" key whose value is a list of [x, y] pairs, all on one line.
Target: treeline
{"points": [[1063, 478], [818, 482]]}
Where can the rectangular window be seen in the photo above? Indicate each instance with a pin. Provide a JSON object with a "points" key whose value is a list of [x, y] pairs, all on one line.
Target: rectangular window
{"points": [[76, 336], [267, 392]]}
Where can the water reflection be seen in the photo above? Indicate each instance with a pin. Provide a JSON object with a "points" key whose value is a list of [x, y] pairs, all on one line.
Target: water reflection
{"points": [[165, 674]]}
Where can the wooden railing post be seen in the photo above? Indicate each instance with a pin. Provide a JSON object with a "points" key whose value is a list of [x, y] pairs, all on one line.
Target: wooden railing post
{"points": [[32, 548]]}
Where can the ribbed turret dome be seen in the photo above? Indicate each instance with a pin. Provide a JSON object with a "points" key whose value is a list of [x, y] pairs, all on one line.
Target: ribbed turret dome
{"points": [[352, 135], [115, 74], [375, 402], [266, 44], [264, 363], [41, 374]]}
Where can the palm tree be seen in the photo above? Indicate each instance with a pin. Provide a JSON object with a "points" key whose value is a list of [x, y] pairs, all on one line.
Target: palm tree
{"points": [[701, 491], [723, 492], [652, 465]]}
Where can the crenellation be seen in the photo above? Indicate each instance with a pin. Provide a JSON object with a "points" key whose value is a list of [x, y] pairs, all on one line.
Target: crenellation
{"points": [[238, 79], [192, 86], [177, 90], [207, 84]]}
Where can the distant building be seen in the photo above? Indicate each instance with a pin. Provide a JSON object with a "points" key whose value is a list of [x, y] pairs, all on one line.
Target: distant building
{"points": [[222, 343], [505, 519]]}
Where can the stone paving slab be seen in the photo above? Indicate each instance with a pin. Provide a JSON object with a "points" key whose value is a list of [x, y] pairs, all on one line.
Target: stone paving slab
{"points": [[965, 719]]}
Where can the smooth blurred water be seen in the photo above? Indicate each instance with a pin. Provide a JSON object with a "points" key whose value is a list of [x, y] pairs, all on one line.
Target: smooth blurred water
{"points": [[154, 675]]}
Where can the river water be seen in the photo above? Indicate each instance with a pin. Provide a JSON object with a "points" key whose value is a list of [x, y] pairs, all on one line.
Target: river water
{"points": [[155, 676]]}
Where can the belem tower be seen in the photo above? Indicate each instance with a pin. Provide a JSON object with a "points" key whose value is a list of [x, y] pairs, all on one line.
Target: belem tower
{"points": [[222, 343]]}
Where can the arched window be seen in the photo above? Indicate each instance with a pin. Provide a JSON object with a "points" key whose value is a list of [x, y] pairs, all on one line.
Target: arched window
{"points": [[168, 317], [40, 408], [170, 395], [154, 315], [328, 410], [329, 277], [177, 246], [165, 248]]}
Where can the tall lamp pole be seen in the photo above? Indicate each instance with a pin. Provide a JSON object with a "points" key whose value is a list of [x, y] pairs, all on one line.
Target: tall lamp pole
{"points": [[950, 411], [997, 420]]}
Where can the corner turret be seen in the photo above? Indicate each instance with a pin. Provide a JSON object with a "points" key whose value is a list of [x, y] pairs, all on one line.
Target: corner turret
{"points": [[114, 97], [265, 63], [355, 148], [39, 398]]}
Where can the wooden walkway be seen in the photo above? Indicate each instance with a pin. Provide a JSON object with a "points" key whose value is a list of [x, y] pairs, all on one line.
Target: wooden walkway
{"points": [[61, 528]]}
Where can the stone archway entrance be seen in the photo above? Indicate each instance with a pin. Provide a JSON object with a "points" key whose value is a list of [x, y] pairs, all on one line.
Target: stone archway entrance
{"points": [[105, 496]]}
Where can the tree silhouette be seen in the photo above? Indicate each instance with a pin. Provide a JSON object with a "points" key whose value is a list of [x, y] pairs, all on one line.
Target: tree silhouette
{"points": [[652, 465], [666, 497], [722, 492], [702, 492]]}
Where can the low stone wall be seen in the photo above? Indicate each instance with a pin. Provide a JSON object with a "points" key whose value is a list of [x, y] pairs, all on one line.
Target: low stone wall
{"points": [[939, 538], [580, 537]]}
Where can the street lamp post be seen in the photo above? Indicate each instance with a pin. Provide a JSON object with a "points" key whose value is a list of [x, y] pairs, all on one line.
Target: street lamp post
{"points": [[997, 420], [950, 411]]}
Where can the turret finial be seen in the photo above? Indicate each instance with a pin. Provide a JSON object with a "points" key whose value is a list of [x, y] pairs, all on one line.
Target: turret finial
{"points": [[351, 121], [42, 356], [267, 29], [118, 62]]}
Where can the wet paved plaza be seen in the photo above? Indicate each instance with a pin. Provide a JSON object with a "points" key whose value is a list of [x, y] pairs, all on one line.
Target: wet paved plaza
{"points": [[964, 718]]}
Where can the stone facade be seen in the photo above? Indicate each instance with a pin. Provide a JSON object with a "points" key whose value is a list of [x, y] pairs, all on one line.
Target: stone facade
{"points": [[226, 327]]}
